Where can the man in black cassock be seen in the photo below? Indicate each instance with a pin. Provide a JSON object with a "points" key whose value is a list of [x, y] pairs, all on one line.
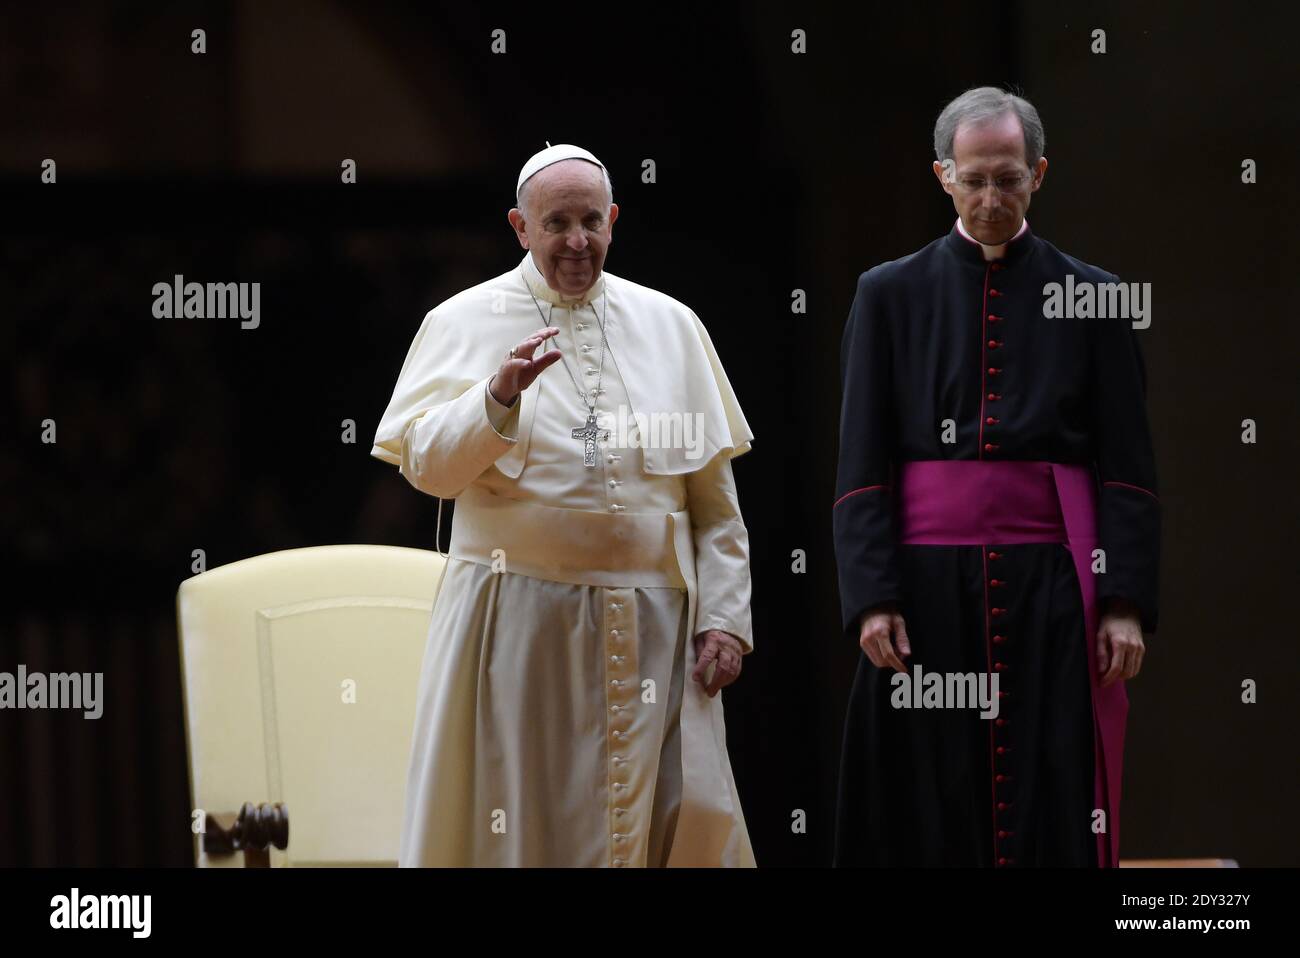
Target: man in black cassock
{"points": [[996, 515]]}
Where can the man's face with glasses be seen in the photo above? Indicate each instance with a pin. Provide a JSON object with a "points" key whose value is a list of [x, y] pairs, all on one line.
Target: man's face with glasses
{"points": [[988, 180]]}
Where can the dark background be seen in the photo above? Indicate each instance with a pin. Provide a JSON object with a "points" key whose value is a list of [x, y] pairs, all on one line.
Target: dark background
{"points": [[775, 172]]}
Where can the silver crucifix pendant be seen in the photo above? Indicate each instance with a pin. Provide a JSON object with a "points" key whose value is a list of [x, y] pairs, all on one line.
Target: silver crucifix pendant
{"points": [[589, 434]]}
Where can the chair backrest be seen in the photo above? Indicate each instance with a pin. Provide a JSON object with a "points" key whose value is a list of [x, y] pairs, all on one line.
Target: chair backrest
{"points": [[299, 672]]}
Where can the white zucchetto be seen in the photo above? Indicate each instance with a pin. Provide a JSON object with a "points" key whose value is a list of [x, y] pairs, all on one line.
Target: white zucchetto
{"points": [[553, 154]]}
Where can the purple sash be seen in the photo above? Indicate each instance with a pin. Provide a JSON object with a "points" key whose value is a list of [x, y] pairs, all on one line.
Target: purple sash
{"points": [[990, 503]]}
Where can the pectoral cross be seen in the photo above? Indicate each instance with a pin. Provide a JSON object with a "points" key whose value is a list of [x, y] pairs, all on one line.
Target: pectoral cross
{"points": [[589, 434]]}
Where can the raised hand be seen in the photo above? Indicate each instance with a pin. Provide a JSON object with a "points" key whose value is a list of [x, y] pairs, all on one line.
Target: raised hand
{"points": [[519, 369]]}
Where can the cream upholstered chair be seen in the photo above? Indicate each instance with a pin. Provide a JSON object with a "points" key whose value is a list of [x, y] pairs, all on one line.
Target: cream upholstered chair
{"points": [[1179, 863], [299, 673]]}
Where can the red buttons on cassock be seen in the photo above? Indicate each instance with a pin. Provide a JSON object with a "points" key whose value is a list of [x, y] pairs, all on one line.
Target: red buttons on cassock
{"points": [[1003, 749], [995, 555], [994, 292], [999, 667], [995, 343], [1004, 695], [997, 266], [994, 372], [1005, 833], [999, 638], [990, 446], [997, 611], [994, 319], [991, 421], [993, 397], [1003, 806], [1002, 723]]}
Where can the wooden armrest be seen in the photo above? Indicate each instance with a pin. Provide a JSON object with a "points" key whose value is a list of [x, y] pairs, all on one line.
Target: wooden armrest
{"points": [[252, 831]]}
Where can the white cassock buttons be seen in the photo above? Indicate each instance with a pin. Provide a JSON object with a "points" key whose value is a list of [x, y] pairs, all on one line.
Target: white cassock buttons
{"points": [[621, 679]]}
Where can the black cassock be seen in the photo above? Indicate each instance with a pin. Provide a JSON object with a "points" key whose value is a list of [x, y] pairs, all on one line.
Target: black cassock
{"points": [[944, 335]]}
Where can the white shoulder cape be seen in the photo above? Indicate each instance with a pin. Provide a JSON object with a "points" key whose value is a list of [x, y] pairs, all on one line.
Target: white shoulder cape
{"points": [[661, 350]]}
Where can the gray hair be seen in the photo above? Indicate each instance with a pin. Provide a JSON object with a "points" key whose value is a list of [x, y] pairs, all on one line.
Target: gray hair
{"points": [[984, 103], [522, 196]]}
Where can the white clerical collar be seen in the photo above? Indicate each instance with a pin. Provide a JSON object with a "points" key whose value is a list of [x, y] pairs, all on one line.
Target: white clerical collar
{"points": [[992, 252], [537, 283]]}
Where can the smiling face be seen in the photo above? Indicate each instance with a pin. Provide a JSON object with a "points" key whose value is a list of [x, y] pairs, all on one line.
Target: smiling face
{"points": [[990, 151], [567, 223]]}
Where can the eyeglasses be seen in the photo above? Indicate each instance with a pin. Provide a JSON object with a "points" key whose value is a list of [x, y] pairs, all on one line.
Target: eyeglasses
{"points": [[1008, 184]]}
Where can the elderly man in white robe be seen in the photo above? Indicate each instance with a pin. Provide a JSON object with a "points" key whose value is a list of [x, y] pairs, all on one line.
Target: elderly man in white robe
{"points": [[596, 596]]}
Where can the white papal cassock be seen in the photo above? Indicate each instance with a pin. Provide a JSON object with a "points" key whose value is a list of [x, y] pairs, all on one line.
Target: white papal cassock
{"points": [[558, 724]]}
